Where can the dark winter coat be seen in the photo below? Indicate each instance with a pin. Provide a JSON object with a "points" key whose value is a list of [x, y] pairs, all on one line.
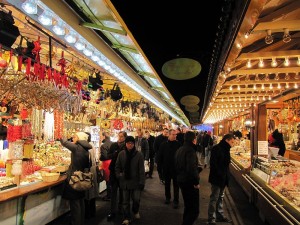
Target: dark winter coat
{"points": [[114, 150], [157, 142], [151, 148], [137, 171], [219, 164], [104, 149], [79, 161], [166, 157], [186, 164], [144, 147]]}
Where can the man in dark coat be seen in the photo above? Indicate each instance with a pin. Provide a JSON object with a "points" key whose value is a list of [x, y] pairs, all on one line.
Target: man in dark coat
{"points": [[79, 161], [166, 158], [150, 138], [218, 177], [130, 172], [186, 164], [113, 153], [157, 142]]}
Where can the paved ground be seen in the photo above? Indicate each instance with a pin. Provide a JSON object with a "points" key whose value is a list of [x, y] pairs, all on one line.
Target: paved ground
{"points": [[153, 210]]}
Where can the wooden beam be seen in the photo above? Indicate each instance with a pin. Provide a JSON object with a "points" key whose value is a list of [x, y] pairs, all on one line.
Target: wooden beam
{"points": [[103, 28]]}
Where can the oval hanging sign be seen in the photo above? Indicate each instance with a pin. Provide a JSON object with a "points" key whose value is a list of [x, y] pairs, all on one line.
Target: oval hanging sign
{"points": [[181, 69], [189, 100]]}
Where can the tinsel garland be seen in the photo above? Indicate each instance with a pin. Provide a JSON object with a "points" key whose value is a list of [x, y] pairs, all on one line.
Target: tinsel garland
{"points": [[37, 123], [58, 124], [49, 126]]}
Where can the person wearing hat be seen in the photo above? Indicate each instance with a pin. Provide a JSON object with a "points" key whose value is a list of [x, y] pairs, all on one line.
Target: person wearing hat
{"points": [[79, 148], [130, 172]]}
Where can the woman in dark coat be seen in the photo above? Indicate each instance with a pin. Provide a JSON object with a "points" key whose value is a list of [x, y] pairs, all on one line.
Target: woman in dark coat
{"points": [[79, 161], [276, 140]]}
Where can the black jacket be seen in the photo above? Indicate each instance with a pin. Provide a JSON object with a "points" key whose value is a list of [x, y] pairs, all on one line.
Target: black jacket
{"points": [[166, 157], [79, 161], [157, 142], [186, 164], [113, 153], [219, 164], [151, 148]]}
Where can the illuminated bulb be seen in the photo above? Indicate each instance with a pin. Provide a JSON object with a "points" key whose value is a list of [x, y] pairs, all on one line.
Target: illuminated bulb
{"points": [[30, 6], [238, 45], [70, 37], [230, 88], [287, 85], [257, 98], [79, 45], [254, 86], [286, 61], [267, 77], [88, 52], [261, 63], [274, 62], [278, 86], [222, 100], [101, 63], [45, 19], [295, 85], [249, 65], [263, 87], [298, 61], [238, 87], [296, 76], [59, 28], [245, 105], [264, 98], [286, 36], [240, 99], [95, 58], [269, 38], [276, 76], [269, 97]]}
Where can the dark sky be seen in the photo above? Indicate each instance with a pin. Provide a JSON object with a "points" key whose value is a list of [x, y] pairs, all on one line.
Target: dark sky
{"points": [[166, 30]]}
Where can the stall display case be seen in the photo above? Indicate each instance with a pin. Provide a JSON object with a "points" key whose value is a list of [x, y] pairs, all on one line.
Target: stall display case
{"points": [[240, 165], [277, 186]]}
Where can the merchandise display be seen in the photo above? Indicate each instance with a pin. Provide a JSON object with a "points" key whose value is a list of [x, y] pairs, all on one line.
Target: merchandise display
{"points": [[280, 179]]}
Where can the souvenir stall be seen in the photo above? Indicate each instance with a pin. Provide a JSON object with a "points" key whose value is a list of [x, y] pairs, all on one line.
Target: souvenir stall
{"points": [[259, 67], [49, 91]]}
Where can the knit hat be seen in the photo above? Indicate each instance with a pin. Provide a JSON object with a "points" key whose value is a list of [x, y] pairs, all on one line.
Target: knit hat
{"points": [[82, 136], [129, 139]]}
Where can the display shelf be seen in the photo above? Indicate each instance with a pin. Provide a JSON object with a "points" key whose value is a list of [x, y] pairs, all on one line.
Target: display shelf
{"points": [[275, 182]]}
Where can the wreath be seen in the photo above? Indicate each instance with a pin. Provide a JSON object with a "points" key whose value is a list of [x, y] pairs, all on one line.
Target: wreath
{"points": [[105, 124], [118, 125]]}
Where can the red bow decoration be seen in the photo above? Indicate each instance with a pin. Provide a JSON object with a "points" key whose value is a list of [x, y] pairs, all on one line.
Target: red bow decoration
{"points": [[36, 50], [62, 63]]}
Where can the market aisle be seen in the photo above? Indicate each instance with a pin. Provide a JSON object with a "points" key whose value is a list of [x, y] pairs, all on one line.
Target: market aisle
{"points": [[154, 211]]}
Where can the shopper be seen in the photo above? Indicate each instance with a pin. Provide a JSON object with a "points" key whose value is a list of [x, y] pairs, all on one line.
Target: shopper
{"points": [[218, 178], [180, 136], [131, 175], [276, 140], [199, 147], [157, 142], [166, 159], [114, 150], [79, 148], [207, 143], [150, 138], [93, 193], [186, 165], [104, 149], [141, 144]]}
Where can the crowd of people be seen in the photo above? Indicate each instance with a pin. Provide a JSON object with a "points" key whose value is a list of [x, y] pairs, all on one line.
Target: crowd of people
{"points": [[177, 156]]}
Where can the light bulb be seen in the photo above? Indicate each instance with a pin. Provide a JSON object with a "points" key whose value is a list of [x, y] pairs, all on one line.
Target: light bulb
{"points": [[45, 19], [271, 86], [269, 38], [261, 63], [287, 85], [59, 28], [101, 63], [274, 62], [286, 61], [267, 77], [87, 51], [95, 58], [286, 36], [298, 61], [70, 37], [249, 65], [276, 76], [79, 45], [30, 6], [296, 77], [295, 85]]}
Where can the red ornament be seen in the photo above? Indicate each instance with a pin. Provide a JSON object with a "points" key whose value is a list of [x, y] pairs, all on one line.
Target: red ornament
{"points": [[118, 124]]}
